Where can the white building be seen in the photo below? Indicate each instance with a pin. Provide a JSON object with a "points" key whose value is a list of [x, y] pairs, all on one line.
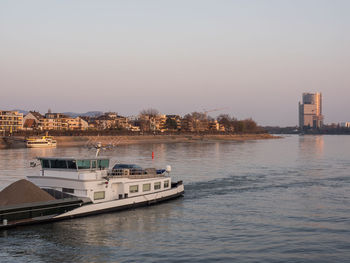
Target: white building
{"points": [[345, 124]]}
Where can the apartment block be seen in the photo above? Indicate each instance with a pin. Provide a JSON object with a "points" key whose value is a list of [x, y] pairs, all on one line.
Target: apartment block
{"points": [[10, 121], [173, 122], [213, 125], [74, 124], [52, 121], [187, 125], [112, 120]]}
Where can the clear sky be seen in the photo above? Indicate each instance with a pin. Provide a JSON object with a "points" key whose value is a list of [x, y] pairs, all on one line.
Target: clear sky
{"points": [[252, 57]]}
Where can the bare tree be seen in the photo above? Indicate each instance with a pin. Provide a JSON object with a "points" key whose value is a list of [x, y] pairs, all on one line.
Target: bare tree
{"points": [[226, 121], [250, 125], [147, 117], [188, 117], [150, 112], [199, 116]]}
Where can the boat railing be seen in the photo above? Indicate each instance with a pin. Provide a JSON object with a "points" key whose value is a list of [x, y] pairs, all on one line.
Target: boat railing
{"points": [[134, 173]]}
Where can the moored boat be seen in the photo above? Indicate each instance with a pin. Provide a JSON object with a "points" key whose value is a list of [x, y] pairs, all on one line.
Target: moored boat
{"points": [[43, 142]]}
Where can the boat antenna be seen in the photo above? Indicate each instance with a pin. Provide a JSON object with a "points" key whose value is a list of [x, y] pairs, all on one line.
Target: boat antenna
{"points": [[98, 148]]}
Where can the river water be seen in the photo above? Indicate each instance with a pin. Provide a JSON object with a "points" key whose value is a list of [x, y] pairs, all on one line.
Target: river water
{"points": [[284, 200]]}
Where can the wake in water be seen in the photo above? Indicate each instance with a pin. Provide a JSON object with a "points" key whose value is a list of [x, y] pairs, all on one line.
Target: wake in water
{"points": [[253, 183], [221, 186]]}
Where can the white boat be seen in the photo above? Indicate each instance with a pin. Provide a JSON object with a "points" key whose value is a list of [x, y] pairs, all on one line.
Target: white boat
{"points": [[43, 142], [85, 186]]}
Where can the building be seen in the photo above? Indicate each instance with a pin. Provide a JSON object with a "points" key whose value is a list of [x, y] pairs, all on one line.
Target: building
{"points": [[214, 125], [53, 121], [173, 122], [201, 125], [222, 128], [10, 121], [135, 128], [74, 124], [111, 120], [345, 124], [310, 111], [159, 123], [32, 120], [149, 123], [59, 121], [187, 124], [91, 122], [123, 123]]}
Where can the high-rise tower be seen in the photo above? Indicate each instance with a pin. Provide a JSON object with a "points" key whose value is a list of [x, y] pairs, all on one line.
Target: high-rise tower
{"points": [[310, 111]]}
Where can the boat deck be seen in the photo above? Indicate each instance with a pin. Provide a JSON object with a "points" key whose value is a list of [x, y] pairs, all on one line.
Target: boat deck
{"points": [[38, 211]]}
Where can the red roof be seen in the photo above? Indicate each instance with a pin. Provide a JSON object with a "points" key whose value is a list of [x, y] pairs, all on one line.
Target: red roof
{"points": [[30, 123]]}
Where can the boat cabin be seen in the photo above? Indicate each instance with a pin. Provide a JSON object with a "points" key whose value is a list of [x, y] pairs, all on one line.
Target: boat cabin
{"points": [[74, 164], [92, 178]]}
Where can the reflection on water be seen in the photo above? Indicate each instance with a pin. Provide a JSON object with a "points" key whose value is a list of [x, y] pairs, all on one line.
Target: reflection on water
{"points": [[257, 201], [311, 146]]}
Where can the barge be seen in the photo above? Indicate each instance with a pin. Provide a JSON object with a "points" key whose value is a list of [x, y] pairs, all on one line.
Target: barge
{"points": [[87, 186]]}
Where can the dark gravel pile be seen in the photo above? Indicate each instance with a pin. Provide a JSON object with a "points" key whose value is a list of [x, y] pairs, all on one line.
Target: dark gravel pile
{"points": [[22, 192]]}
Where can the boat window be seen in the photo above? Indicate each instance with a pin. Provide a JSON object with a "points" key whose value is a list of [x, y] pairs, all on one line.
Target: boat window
{"points": [[93, 164], [103, 164], [83, 164], [146, 187], [45, 164], [133, 188], [166, 183], [99, 195], [157, 186], [68, 190], [58, 164], [128, 166], [72, 164]]}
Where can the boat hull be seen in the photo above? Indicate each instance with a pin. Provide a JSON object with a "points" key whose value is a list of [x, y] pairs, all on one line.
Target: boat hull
{"points": [[121, 204], [41, 145], [44, 142], [105, 207]]}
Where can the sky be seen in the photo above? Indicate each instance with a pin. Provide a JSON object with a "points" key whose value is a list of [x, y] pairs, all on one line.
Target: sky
{"points": [[251, 58]]}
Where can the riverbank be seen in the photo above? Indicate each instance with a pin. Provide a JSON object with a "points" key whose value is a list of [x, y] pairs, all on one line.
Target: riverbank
{"points": [[76, 141]]}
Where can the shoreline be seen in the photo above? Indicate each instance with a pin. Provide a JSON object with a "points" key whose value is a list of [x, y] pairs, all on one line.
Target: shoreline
{"points": [[76, 141]]}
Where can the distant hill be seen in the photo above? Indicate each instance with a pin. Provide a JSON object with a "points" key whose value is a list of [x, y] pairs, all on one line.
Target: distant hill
{"points": [[21, 111], [86, 114], [71, 114]]}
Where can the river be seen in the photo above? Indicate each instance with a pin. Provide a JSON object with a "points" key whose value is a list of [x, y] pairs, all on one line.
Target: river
{"points": [[283, 200]]}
